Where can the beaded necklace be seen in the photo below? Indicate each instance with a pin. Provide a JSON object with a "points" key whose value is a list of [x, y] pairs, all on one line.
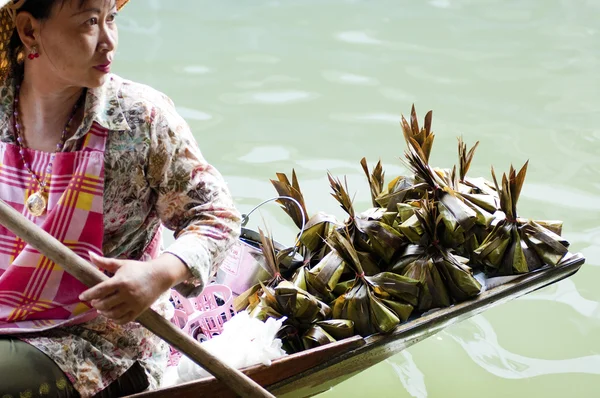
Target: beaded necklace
{"points": [[37, 202]]}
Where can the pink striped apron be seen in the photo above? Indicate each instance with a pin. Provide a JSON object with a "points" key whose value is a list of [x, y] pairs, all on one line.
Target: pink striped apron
{"points": [[35, 293]]}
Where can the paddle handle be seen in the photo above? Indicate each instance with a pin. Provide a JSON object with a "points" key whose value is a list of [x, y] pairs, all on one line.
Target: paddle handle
{"points": [[90, 276]]}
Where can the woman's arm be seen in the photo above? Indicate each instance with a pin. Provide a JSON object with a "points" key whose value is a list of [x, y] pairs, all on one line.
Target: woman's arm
{"points": [[194, 201], [135, 285]]}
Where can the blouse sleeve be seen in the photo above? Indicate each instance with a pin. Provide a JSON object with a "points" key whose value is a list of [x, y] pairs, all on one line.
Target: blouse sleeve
{"points": [[193, 199]]}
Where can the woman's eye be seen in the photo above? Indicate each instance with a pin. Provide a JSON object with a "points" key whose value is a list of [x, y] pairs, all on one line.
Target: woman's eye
{"points": [[111, 17], [93, 21]]}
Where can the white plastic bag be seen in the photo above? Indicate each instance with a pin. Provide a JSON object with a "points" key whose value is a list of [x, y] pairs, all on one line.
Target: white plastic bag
{"points": [[244, 342]]}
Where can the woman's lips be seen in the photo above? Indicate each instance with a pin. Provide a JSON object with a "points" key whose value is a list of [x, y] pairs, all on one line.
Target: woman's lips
{"points": [[103, 68]]}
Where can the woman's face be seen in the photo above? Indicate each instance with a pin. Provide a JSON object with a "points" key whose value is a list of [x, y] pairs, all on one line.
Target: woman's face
{"points": [[78, 41]]}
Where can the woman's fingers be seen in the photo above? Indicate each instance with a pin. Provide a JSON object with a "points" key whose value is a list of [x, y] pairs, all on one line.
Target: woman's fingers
{"points": [[108, 303], [118, 312], [128, 317], [132, 289], [99, 291]]}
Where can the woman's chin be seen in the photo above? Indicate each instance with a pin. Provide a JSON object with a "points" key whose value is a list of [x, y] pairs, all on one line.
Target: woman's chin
{"points": [[98, 80]]}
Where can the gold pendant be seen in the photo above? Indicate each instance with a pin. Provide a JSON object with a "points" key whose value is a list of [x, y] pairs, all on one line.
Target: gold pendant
{"points": [[36, 204]]}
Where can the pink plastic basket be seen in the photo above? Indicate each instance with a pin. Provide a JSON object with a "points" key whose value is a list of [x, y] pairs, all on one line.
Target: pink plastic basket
{"points": [[202, 317], [216, 305]]}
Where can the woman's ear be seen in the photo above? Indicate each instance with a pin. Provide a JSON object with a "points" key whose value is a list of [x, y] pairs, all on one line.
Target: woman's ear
{"points": [[28, 29]]}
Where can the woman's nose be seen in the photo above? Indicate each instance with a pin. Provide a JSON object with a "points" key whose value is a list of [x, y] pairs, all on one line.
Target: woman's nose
{"points": [[108, 39]]}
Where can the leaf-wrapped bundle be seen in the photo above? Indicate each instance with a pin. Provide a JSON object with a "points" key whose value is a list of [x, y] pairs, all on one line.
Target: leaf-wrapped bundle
{"points": [[515, 245]]}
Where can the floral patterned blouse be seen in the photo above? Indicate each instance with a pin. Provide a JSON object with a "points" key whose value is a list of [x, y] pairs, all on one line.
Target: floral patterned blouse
{"points": [[154, 174]]}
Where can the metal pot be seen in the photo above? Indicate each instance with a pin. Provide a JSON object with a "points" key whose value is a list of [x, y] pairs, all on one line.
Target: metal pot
{"points": [[245, 264]]}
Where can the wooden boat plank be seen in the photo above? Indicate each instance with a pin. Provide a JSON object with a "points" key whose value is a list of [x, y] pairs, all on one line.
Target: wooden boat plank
{"points": [[283, 368], [313, 371], [381, 347]]}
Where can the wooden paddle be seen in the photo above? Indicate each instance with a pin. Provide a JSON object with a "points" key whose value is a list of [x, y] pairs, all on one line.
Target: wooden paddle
{"points": [[90, 276]]}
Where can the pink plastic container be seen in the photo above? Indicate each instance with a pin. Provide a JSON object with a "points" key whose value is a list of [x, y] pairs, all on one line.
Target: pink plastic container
{"points": [[214, 314], [201, 317], [204, 314]]}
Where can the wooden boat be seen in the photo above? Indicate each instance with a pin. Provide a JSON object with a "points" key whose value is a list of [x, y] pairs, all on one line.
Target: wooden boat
{"points": [[313, 371]]}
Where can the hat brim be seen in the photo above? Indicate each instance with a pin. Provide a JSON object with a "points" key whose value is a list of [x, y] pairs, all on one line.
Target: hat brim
{"points": [[120, 3]]}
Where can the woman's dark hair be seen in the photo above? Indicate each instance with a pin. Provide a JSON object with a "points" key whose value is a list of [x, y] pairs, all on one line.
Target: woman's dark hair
{"points": [[40, 10]]}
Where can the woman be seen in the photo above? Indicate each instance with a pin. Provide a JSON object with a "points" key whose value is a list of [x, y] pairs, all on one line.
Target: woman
{"points": [[99, 162]]}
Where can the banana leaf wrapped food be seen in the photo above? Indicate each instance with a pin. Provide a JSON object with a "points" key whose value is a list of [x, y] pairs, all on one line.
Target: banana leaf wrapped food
{"points": [[474, 187], [515, 245], [299, 307], [308, 322], [312, 241], [420, 231], [477, 190], [272, 261], [323, 268], [420, 148], [399, 190], [368, 231], [422, 137], [477, 194], [389, 204], [410, 225], [377, 303], [445, 278], [325, 332], [277, 298], [375, 180], [321, 279], [465, 221]]}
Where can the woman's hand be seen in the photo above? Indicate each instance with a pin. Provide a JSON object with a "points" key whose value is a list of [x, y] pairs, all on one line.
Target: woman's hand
{"points": [[135, 286]]}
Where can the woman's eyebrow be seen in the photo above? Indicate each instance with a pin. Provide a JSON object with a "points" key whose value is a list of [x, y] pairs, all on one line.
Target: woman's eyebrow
{"points": [[93, 9], [96, 10]]}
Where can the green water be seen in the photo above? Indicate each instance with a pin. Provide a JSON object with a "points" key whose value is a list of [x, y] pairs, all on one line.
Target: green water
{"points": [[268, 86]]}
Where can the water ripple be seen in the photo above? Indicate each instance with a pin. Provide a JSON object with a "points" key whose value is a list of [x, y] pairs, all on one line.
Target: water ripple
{"points": [[193, 114], [275, 79], [561, 196], [397, 94], [409, 374], [349, 78], [258, 59], [357, 37], [485, 350], [420, 73], [441, 3], [197, 69], [378, 117], [265, 154], [269, 97], [566, 292]]}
